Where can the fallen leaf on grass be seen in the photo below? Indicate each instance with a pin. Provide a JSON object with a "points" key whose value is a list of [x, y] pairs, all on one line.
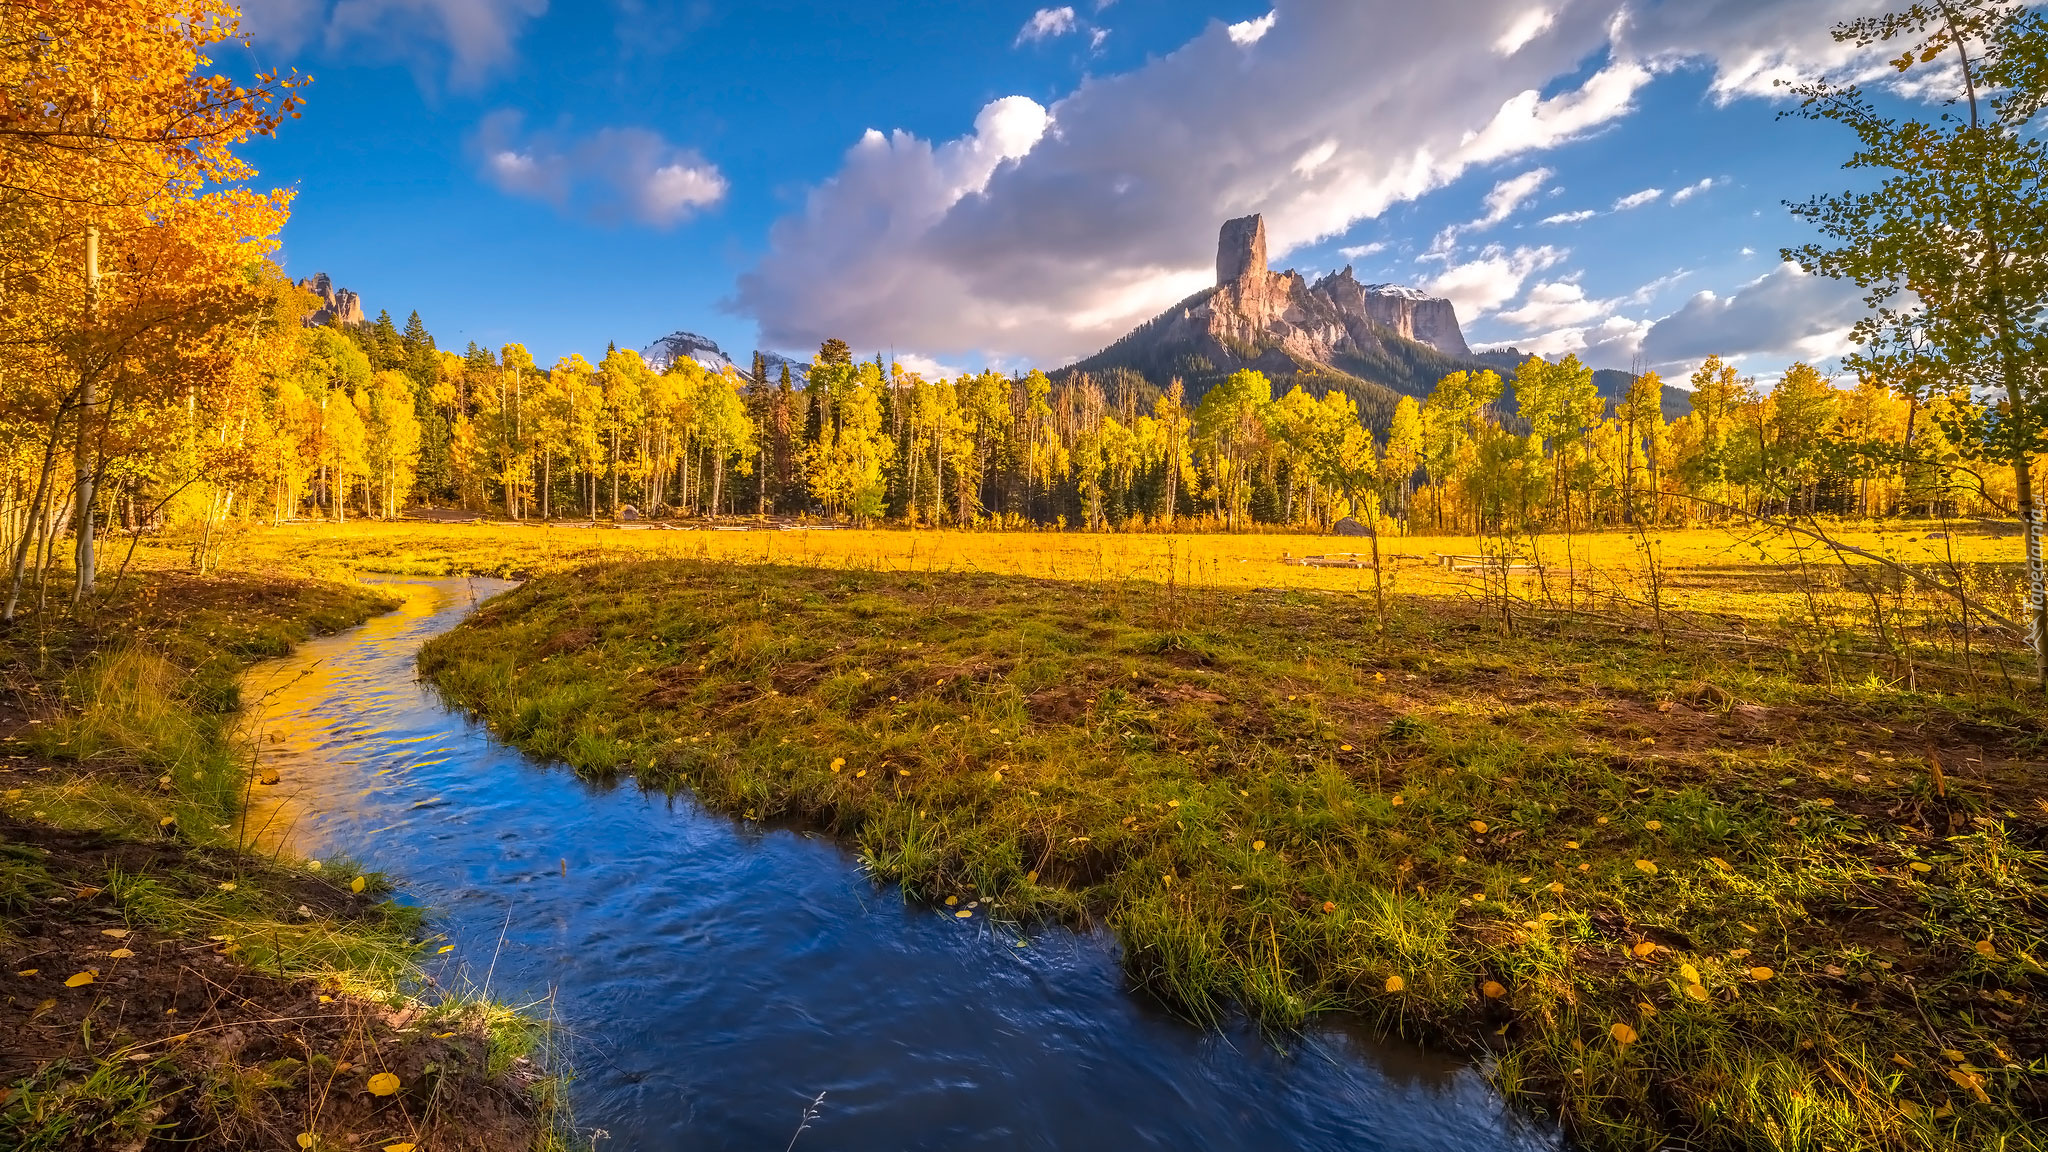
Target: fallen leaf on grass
{"points": [[1623, 1034], [1647, 865], [382, 1084], [1696, 991], [1395, 984], [1689, 974], [1985, 948], [1644, 950], [357, 884], [1761, 973], [1479, 826], [1493, 990]]}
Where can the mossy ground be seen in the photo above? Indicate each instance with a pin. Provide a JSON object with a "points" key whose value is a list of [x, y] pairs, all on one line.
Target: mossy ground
{"points": [[163, 986], [1723, 895]]}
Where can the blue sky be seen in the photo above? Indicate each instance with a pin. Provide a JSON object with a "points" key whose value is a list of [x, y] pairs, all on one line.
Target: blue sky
{"points": [[1014, 184]]}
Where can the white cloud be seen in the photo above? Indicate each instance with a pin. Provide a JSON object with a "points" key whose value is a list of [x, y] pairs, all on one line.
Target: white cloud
{"points": [[1571, 217], [1248, 32], [1692, 190], [1511, 194], [1526, 27], [1046, 24], [1782, 316], [1556, 304], [1361, 251], [612, 175], [1479, 286], [473, 38], [1637, 199], [1048, 250]]}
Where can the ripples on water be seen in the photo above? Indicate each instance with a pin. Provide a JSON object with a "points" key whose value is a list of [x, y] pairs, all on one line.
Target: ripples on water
{"points": [[715, 975]]}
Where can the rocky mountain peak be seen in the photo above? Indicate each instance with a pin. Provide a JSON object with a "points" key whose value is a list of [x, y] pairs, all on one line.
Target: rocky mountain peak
{"points": [[1375, 341], [337, 305], [1241, 249]]}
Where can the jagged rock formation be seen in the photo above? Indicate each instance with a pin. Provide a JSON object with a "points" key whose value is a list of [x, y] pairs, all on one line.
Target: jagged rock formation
{"points": [[337, 305], [1375, 341]]}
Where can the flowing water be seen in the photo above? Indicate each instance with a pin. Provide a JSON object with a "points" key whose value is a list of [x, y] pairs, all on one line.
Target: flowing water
{"points": [[714, 975]]}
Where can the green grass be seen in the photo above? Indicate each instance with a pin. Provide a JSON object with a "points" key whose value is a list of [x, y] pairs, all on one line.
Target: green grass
{"points": [[1510, 845]]}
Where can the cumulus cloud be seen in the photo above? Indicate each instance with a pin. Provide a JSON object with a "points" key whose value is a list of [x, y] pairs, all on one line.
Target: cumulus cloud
{"points": [[1526, 27], [1637, 199], [1477, 287], [613, 175], [1782, 316], [472, 37], [1692, 190], [1249, 32], [1361, 251], [1556, 304], [1571, 217], [1047, 244], [1046, 24]]}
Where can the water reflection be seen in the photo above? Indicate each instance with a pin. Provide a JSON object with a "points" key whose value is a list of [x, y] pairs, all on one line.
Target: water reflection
{"points": [[715, 975]]}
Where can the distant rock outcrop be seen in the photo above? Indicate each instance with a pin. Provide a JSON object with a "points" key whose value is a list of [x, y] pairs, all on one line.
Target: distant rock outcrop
{"points": [[337, 305], [1374, 341]]}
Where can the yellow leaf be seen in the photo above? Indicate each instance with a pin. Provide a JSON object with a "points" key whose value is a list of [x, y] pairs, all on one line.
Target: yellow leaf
{"points": [[838, 762], [1343, 747], [1396, 801], [1258, 845], [1970, 1082], [1644, 950], [445, 949], [78, 979], [383, 1084], [1479, 826], [401, 1146], [1395, 984], [116, 933], [1031, 877], [28, 971], [1984, 948], [1571, 843], [1723, 865], [1647, 865], [1653, 825], [1689, 974], [1556, 886], [1622, 1033], [167, 821], [952, 900], [1493, 990], [305, 1140], [1919, 867], [1696, 991], [121, 953], [964, 913], [1761, 973], [357, 884]]}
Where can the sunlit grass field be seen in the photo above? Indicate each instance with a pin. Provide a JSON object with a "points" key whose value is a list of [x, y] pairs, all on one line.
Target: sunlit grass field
{"points": [[1709, 839], [1753, 577]]}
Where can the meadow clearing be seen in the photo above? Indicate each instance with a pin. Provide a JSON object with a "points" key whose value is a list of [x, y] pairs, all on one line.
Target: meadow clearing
{"points": [[1702, 838]]}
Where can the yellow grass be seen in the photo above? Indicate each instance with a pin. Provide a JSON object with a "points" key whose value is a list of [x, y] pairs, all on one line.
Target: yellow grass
{"points": [[1706, 569]]}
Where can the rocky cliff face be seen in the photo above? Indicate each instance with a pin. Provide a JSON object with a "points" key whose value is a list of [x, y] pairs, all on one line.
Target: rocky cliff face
{"points": [[337, 305], [1375, 340]]}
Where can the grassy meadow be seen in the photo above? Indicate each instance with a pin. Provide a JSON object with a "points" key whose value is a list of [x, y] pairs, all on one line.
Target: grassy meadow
{"points": [[1701, 838], [1764, 872]]}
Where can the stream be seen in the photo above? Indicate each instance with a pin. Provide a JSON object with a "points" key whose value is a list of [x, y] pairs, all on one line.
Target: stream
{"points": [[712, 976]]}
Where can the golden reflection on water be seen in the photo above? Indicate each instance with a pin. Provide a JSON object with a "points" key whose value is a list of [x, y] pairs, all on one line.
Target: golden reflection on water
{"points": [[315, 717]]}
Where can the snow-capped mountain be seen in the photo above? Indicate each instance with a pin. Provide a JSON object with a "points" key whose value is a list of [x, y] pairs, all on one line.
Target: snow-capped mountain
{"points": [[678, 346]]}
